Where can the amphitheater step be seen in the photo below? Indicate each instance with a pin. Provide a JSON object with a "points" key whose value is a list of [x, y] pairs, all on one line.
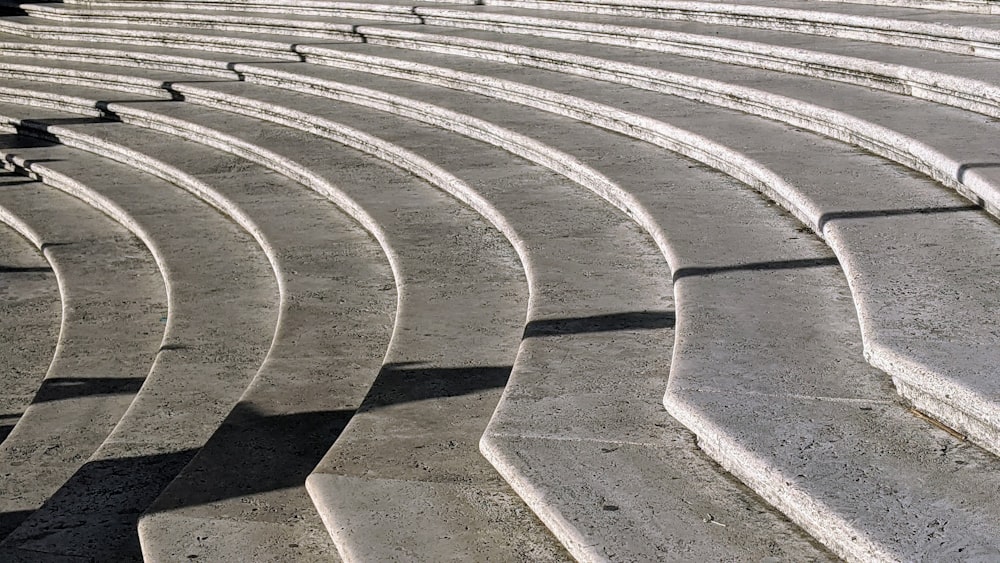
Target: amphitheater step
{"points": [[222, 300], [765, 320], [642, 328], [875, 390], [30, 307], [461, 311], [113, 303], [298, 402], [862, 215]]}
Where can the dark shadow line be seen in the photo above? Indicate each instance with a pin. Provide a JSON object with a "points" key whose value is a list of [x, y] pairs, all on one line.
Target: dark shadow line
{"points": [[5, 185], [756, 266], [397, 383], [45, 124], [836, 215], [962, 169], [25, 269], [633, 320], [63, 388], [47, 245], [23, 139]]}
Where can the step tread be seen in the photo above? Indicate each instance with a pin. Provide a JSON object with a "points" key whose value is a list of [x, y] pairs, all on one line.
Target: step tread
{"points": [[222, 299], [113, 299], [876, 390], [902, 214], [30, 304], [652, 342]]}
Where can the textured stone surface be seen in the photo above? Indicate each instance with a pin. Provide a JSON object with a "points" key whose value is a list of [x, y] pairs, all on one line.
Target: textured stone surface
{"points": [[564, 261]]}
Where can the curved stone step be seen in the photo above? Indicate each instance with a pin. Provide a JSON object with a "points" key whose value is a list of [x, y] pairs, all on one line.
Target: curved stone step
{"points": [[113, 311], [332, 334], [899, 223], [891, 210], [221, 294], [890, 349], [898, 69], [421, 335], [726, 500], [952, 33], [334, 277], [838, 124], [892, 222], [238, 85], [973, 224], [30, 305], [893, 217]]}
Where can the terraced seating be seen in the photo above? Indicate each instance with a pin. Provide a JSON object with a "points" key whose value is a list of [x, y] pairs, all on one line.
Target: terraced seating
{"points": [[595, 112], [31, 309], [104, 351], [221, 305]]}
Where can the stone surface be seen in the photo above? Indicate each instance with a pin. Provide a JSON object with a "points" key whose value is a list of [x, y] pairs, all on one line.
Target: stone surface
{"points": [[114, 308], [222, 299], [551, 251]]}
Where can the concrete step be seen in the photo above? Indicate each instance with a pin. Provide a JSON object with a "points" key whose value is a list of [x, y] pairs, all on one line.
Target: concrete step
{"points": [[30, 307], [113, 305], [222, 299]]}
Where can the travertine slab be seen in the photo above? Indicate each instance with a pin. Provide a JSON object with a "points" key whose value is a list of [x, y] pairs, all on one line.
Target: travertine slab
{"points": [[222, 299]]}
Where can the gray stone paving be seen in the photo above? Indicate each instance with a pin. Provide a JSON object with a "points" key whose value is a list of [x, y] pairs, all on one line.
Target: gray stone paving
{"points": [[512, 281]]}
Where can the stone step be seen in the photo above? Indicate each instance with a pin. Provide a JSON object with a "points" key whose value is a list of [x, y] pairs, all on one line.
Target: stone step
{"points": [[920, 376], [114, 308], [30, 304], [825, 385], [298, 402], [820, 119], [946, 32], [222, 311], [961, 80], [644, 326], [707, 542], [420, 342], [858, 228], [719, 341], [394, 87]]}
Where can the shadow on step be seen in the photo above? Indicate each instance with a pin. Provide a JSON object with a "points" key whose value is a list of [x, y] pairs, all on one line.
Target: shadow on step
{"points": [[405, 382], [96, 512], [20, 270], [11, 520], [253, 453], [876, 213], [682, 273], [636, 320], [63, 388]]}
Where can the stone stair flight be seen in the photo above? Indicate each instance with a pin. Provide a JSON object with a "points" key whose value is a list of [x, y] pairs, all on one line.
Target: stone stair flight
{"points": [[500, 281]]}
